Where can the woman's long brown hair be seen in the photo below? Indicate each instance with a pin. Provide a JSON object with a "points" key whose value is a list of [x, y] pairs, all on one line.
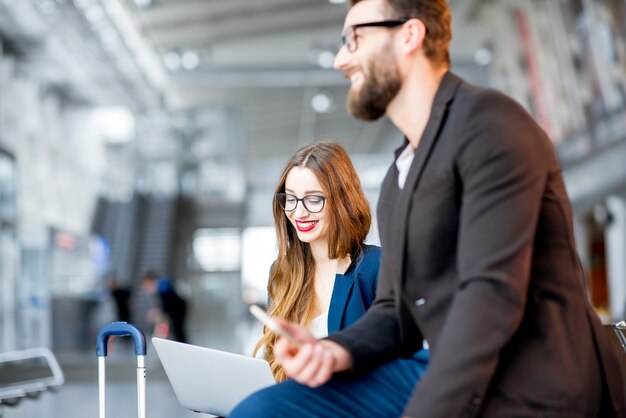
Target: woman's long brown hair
{"points": [[291, 288]]}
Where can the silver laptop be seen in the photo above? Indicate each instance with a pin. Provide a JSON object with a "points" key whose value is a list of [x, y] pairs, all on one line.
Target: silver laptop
{"points": [[211, 381]]}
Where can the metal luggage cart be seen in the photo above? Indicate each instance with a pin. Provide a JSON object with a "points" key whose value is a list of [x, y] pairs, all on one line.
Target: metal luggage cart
{"points": [[122, 329], [26, 374]]}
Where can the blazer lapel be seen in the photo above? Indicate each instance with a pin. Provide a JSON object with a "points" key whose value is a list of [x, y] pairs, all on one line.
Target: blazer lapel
{"points": [[339, 301], [445, 94], [387, 199]]}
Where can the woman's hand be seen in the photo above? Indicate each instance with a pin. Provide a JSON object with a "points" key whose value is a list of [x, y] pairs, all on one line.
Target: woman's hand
{"points": [[314, 363]]}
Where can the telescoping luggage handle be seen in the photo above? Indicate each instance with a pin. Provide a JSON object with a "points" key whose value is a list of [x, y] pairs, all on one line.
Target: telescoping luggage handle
{"points": [[121, 329]]}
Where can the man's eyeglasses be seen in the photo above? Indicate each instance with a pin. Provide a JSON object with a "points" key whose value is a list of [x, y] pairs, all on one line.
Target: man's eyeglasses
{"points": [[312, 203], [349, 38]]}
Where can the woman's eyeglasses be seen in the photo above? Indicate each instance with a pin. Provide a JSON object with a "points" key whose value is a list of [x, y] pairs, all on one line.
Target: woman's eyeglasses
{"points": [[312, 203]]}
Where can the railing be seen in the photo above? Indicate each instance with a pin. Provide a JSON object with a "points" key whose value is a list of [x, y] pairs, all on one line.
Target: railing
{"points": [[599, 134]]}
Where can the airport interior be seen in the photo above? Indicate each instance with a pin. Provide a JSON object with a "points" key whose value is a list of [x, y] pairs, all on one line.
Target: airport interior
{"points": [[142, 135]]}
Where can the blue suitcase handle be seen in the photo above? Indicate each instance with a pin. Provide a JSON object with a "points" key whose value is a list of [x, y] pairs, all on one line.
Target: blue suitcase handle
{"points": [[120, 329]]}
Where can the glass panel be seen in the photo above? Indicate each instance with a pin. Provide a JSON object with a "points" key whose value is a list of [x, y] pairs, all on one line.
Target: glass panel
{"points": [[7, 189], [8, 254], [218, 249], [259, 252]]}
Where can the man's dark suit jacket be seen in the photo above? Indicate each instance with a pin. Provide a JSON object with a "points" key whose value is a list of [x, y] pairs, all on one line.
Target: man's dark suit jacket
{"points": [[478, 258]]}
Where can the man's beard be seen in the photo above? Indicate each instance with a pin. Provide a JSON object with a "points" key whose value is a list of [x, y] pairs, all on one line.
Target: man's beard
{"points": [[380, 85]]}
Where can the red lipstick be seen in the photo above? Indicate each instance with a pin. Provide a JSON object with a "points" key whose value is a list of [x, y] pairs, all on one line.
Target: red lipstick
{"points": [[306, 226]]}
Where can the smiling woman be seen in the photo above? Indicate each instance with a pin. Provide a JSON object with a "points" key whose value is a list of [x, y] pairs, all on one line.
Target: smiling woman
{"points": [[321, 217]]}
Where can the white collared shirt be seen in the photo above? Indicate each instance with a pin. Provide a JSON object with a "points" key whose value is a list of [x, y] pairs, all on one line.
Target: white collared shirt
{"points": [[319, 325], [403, 163]]}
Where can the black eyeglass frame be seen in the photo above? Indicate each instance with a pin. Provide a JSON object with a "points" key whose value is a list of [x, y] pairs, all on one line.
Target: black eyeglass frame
{"points": [[298, 200], [392, 23]]}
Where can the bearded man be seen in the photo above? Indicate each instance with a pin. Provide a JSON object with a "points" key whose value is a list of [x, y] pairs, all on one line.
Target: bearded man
{"points": [[478, 253]]}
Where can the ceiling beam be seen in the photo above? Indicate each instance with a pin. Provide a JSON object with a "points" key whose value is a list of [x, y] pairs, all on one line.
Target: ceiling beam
{"points": [[245, 79], [242, 25], [163, 15]]}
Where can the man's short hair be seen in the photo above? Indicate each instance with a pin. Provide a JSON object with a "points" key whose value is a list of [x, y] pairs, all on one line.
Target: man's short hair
{"points": [[436, 17]]}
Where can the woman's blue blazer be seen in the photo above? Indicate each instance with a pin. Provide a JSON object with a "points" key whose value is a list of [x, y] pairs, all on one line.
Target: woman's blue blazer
{"points": [[354, 293], [354, 290]]}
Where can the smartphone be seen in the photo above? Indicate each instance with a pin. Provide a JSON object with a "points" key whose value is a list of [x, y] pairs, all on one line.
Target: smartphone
{"points": [[271, 323]]}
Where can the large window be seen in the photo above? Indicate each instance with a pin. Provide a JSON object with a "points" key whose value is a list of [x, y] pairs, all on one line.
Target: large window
{"points": [[7, 188], [259, 252], [217, 249]]}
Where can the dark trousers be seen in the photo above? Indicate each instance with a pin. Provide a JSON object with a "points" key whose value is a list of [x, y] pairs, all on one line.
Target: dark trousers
{"points": [[177, 322], [382, 392]]}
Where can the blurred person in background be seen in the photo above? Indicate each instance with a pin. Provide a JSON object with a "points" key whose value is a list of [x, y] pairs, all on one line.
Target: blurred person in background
{"points": [[171, 304], [121, 296], [325, 277], [478, 252]]}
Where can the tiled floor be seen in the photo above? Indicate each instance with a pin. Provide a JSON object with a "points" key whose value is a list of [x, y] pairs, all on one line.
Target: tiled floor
{"points": [[79, 399]]}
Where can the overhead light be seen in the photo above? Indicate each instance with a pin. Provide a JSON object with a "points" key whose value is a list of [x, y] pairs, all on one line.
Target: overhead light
{"points": [[117, 124], [172, 61], [336, 1], [94, 13], [322, 102], [47, 7], [83, 4], [142, 4], [109, 37], [190, 60], [326, 58], [483, 56], [149, 65]]}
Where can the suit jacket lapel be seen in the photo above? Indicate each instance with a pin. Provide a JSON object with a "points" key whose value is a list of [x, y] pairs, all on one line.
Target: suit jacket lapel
{"points": [[339, 301], [445, 94]]}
